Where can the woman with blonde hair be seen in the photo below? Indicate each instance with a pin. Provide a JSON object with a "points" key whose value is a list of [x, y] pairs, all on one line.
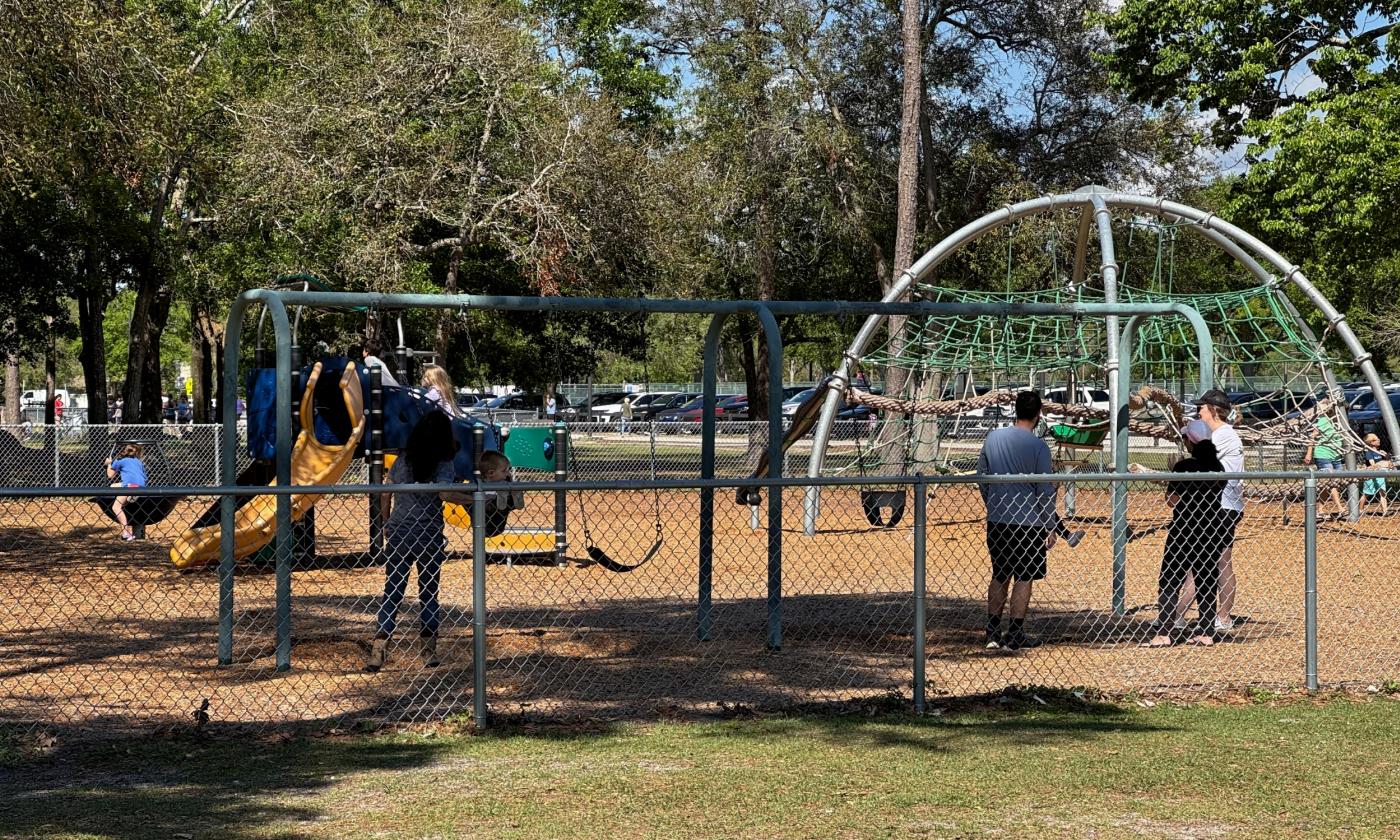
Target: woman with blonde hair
{"points": [[440, 390]]}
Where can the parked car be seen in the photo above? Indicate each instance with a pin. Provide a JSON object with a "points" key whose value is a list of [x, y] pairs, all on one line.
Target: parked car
{"points": [[519, 402], [610, 412], [583, 410], [467, 399], [653, 409], [1362, 399], [686, 417], [796, 401], [1368, 420], [1095, 398]]}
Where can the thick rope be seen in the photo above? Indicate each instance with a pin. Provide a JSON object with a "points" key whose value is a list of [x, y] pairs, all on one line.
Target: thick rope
{"points": [[1295, 430]]}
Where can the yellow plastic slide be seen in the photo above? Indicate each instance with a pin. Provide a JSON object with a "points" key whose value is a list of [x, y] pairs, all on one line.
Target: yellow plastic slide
{"points": [[255, 524]]}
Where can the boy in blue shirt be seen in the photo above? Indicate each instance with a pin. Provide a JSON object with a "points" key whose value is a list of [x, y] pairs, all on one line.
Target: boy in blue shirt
{"points": [[128, 471]]}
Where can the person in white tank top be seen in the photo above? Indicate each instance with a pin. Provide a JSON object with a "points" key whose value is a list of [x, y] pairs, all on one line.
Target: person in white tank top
{"points": [[1215, 409]]}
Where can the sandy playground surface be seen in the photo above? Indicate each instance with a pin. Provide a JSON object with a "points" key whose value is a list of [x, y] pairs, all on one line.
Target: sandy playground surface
{"points": [[101, 633]]}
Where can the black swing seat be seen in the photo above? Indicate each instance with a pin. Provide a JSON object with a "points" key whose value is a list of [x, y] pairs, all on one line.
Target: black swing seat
{"points": [[599, 556], [873, 502], [140, 510]]}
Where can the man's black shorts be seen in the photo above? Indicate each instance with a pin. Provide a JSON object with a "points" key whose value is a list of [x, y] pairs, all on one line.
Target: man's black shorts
{"points": [[1018, 551], [1230, 522]]}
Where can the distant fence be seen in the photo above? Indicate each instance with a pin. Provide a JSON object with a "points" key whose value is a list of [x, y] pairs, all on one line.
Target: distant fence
{"points": [[102, 635]]}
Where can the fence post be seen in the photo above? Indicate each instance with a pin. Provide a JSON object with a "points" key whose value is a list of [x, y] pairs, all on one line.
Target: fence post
{"points": [[57, 459], [561, 474], [375, 456], [1310, 579], [218, 461], [920, 595], [479, 606]]}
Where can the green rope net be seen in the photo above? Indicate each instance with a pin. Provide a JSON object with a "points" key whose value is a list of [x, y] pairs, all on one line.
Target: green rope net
{"points": [[1253, 334]]}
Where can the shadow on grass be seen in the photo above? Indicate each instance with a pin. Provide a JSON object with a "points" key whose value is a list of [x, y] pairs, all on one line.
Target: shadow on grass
{"points": [[182, 786], [240, 787]]}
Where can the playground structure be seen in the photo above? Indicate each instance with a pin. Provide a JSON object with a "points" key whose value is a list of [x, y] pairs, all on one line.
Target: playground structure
{"points": [[279, 517], [277, 301], [1019, 335]]}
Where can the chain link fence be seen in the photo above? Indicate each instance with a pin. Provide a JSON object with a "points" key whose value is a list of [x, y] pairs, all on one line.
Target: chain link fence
{"points": [[102, 634]]}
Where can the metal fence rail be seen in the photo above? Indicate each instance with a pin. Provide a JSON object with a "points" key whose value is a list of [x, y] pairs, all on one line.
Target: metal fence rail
{"points": [[103, 634]]}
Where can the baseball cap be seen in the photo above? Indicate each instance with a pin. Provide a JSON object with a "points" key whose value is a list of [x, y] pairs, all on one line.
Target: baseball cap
{"points": [[1196, 431], [1217, 398]]}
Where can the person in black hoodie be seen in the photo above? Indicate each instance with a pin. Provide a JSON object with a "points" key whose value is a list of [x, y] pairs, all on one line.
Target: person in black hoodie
{"points": [[1194, 541]]}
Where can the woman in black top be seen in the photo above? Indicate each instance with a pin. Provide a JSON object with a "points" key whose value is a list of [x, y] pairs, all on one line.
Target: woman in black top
{"points": [[1193, 544]]}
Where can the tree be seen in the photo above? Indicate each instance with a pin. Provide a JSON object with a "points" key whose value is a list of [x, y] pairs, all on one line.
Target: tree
{"points": [[124, 96], [1311, 90], [1247, 60]]}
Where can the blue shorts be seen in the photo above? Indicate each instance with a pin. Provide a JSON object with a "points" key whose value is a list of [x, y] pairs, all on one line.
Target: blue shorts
{"points": [[1327, 464]]}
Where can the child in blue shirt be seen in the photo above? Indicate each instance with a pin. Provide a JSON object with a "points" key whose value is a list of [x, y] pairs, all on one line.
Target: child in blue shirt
{"points": [[128, 471]]}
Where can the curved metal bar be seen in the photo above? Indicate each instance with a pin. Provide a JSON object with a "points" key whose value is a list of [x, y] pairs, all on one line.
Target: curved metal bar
{"points": [[233, 336], [925, 264], [1289, 272], [1206, 224]]}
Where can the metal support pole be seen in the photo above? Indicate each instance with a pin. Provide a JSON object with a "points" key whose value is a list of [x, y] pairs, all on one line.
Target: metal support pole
{"points": [[479, 605], [401, 358], [57, 458], [1310, 580], [228, 456], [288, 382], [1353, 491], [755, 521], [375, 457], [561, 513], [920, 590], [773, 339], [705, 570]]}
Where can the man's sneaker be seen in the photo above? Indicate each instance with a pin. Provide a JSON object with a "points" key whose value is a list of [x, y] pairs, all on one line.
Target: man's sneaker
{"points": [[993, 640], [1020, 641], [1224, 625], [1074, 537]]}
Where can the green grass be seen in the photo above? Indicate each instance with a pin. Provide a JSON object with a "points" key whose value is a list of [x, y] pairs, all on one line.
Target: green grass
{"points": [[1280, 769]]}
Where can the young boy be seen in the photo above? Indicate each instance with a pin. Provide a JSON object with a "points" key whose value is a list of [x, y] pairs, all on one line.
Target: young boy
{"points": [[1373, 489], [495, 468], [128, 471]]}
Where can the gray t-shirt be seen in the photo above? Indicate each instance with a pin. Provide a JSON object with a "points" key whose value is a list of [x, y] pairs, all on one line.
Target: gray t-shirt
{"points": [[385, 377], [1012, 451], [417, 517]]}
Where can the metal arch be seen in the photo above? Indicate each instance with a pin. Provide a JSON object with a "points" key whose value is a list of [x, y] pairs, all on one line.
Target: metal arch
{"points": [[1205, 223], [1289, 272]]}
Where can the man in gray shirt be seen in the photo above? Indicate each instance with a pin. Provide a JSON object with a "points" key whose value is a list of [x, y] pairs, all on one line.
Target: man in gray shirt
{"points": [[1021, 520]]}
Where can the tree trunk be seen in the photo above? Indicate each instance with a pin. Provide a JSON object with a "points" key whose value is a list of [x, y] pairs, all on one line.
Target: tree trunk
{"points": [[51, 375], [148, 321], [907, 199], [92, 351], [13, 412], [449, 287], [930, 176], [204, 349]]}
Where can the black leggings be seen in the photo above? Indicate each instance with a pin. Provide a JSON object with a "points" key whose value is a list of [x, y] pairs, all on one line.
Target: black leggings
{"points": [[1193, 546]]}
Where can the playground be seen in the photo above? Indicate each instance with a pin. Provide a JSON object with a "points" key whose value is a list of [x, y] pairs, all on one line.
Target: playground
{"points": [[110, 635], [651, 591]]}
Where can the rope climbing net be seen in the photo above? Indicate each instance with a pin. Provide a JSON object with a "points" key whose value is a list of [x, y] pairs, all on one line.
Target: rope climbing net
{"points": [[953, 367]]}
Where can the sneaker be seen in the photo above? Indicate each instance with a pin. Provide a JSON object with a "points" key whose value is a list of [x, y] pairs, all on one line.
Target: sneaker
{"points": [[993, 640], [378, 653], [1074, 537], [1224, 625], [1180, 624], [428, 646], [128, 537], [1021, 642]]}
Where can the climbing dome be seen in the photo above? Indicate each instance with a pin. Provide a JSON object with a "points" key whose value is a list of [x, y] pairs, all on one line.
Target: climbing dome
{"points": [[945, 373]]}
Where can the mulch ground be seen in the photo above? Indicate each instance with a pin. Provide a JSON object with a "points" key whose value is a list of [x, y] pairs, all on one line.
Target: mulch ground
{"points": [[100, 633]]}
